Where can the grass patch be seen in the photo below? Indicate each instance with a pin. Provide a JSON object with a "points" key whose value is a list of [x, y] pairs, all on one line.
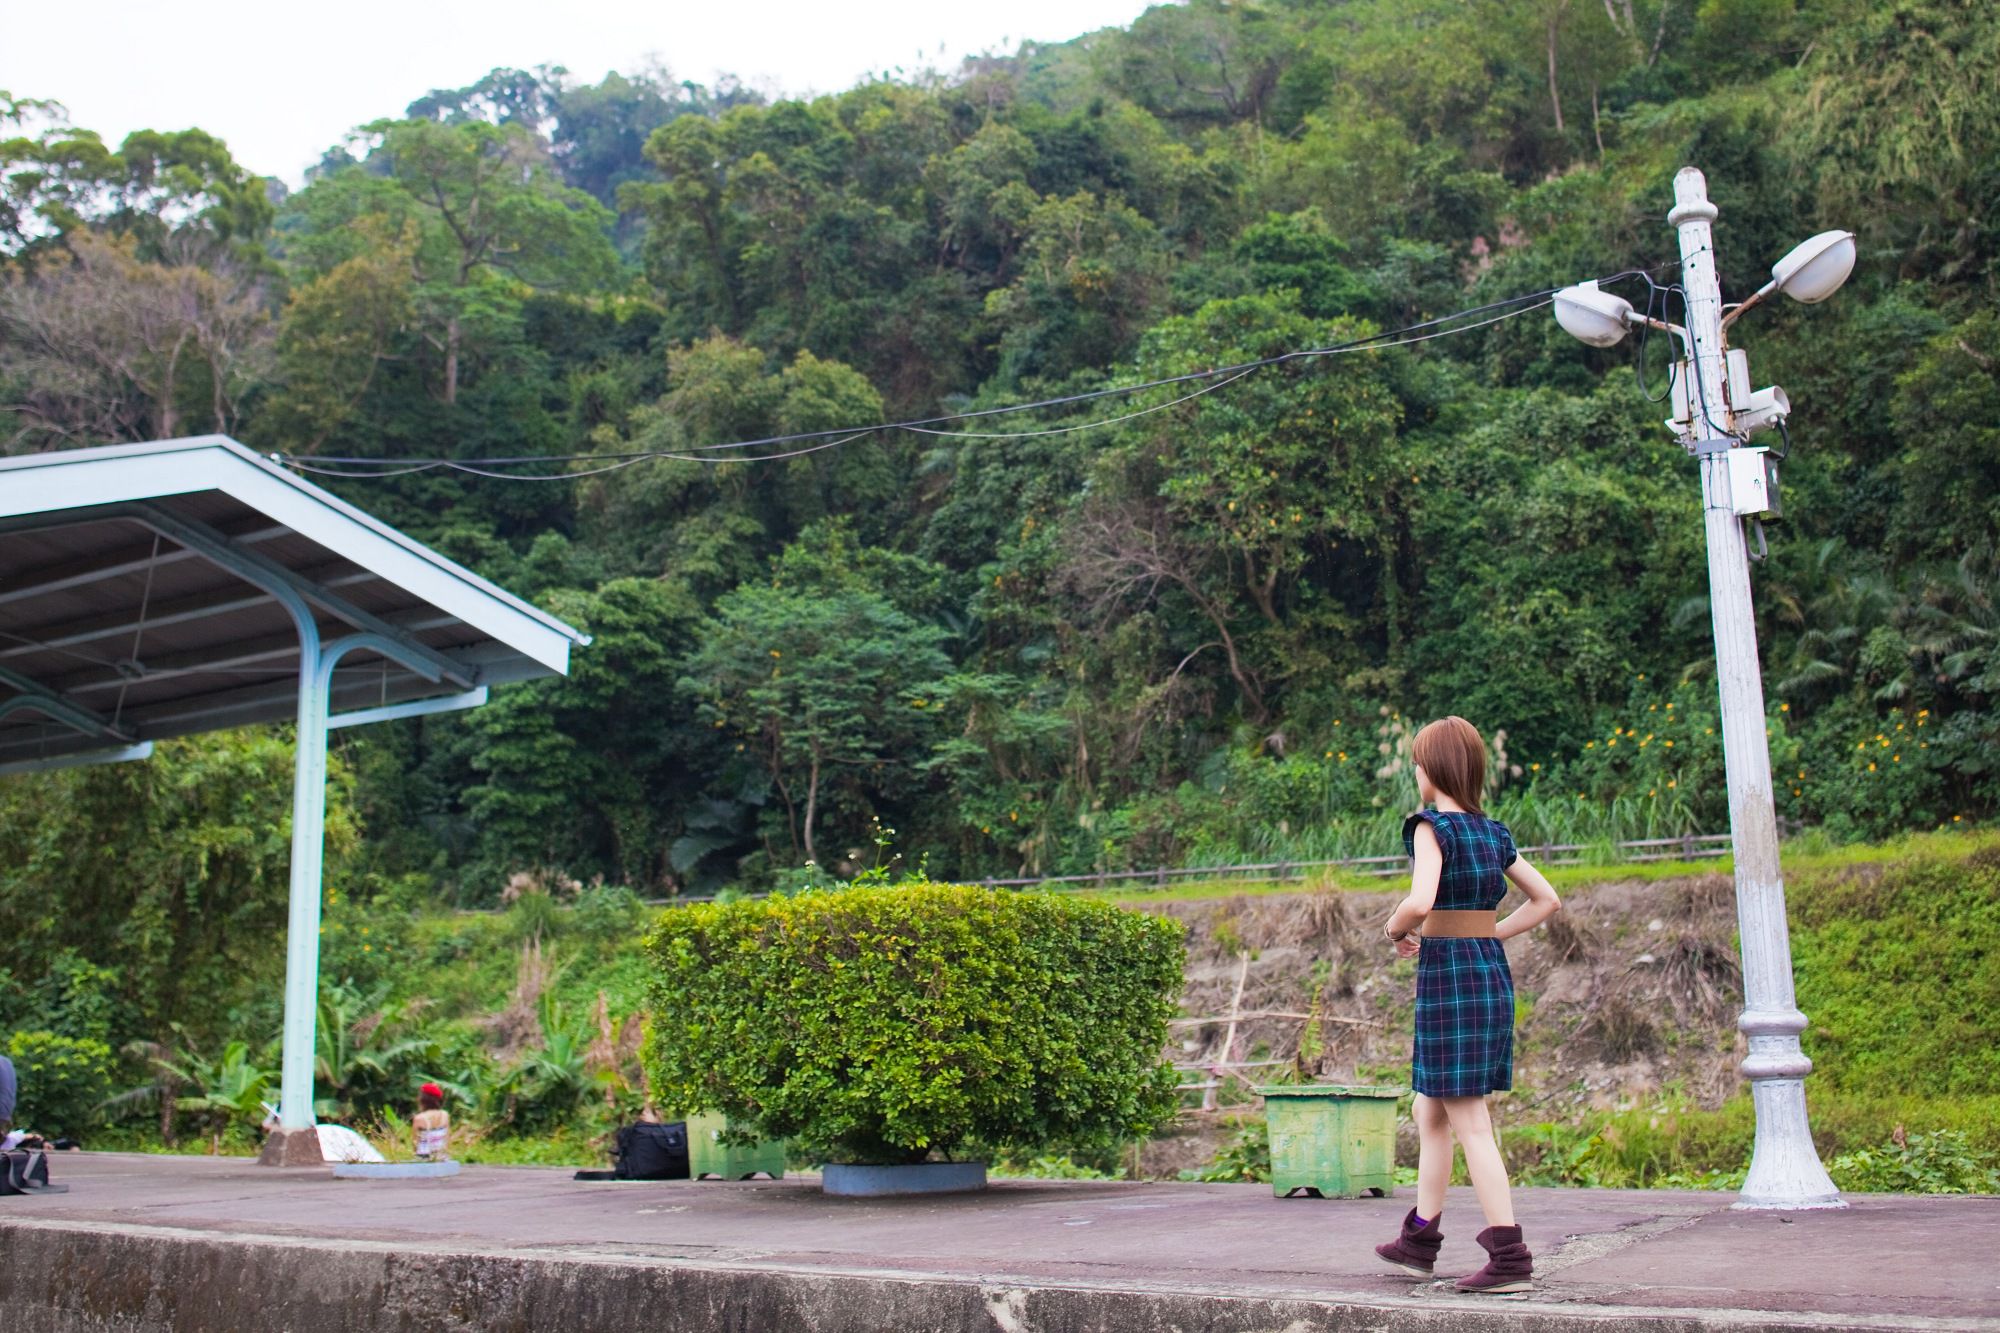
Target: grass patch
{"points": [[1891, 1140]]}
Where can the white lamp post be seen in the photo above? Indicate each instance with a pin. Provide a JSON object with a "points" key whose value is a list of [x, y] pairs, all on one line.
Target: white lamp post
{"points": [[1738, 481]]}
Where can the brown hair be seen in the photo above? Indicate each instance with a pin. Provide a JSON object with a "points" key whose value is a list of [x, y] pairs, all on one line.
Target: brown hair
{"points": [[429, 1101], [1454, 759]]}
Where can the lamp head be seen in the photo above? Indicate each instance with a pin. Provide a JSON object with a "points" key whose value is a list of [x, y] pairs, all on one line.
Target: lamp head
{"points": [[1592, 316], [1815, 268]]}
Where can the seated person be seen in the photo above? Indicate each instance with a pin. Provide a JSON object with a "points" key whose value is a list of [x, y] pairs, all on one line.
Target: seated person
{"points": [[432, 1124]]}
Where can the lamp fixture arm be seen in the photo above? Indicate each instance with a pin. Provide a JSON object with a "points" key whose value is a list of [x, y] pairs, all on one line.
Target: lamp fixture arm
{"points": [[1735, 312]]}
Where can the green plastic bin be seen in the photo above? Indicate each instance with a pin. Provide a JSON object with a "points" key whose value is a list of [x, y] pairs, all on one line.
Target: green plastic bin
{"points": [[709, 1156], [1334, 1140]]}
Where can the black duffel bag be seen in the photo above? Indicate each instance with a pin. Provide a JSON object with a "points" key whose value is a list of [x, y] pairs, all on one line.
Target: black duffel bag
{"points": [[647, 1151]]}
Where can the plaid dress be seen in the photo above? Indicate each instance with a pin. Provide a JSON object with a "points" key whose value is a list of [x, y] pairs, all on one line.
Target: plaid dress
{"points": [[1465, 994]]}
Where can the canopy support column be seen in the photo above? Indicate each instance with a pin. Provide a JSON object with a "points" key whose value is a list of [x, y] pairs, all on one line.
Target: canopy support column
{"points": [[295, 1098], [294, 1141]]}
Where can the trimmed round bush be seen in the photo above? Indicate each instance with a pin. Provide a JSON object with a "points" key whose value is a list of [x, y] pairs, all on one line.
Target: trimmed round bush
{"points": [[887, 1024]]}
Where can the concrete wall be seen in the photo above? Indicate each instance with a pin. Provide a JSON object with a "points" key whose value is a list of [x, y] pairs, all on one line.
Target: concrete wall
{"points": [[94, 1277]]}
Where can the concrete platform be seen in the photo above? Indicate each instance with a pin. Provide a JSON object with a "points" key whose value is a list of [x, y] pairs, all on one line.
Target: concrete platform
{"points": [[145, 1243]]}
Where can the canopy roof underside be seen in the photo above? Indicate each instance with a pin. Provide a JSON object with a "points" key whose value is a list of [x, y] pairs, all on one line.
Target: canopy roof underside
{"points": [[145, 592]]}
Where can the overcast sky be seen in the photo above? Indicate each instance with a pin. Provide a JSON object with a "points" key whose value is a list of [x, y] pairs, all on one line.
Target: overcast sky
{"points": [[283, 82]]}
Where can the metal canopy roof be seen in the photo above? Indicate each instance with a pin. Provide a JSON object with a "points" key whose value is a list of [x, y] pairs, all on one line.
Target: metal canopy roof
{"points": [[153, 590]]}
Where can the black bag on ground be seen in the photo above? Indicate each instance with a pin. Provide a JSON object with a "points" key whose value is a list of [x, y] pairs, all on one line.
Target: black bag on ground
{"points": [[26, 1171], [647, 1151]]}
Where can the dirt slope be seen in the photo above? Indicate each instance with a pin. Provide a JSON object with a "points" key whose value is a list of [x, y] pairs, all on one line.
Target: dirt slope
{"points": [[1633, 987]]}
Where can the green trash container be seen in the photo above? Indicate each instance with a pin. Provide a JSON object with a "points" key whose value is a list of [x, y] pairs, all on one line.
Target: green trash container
{"points": [[709, 1157], [1334, 1140]]}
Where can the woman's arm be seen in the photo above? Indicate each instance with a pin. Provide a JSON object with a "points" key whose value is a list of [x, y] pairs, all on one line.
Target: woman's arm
{"points": [[1541, 905], [1410, 913]]}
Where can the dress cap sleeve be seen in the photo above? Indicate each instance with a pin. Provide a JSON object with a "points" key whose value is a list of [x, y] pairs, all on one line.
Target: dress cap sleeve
{"points": [[1439, 825]]}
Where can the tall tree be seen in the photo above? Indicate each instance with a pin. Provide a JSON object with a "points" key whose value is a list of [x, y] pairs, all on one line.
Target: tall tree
{"points": [[104, 346], [56, 179], [826, 687], [492, 217]]}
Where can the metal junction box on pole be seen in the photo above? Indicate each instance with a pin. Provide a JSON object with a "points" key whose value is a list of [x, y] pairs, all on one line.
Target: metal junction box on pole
{"points": [[1753, 483]]}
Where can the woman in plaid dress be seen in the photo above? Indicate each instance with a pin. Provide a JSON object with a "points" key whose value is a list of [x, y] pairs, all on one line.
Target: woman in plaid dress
{"points": [[1465, 998]]}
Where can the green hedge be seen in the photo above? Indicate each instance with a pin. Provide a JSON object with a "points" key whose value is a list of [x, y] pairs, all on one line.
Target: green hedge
{"points": [[885, 1024]]}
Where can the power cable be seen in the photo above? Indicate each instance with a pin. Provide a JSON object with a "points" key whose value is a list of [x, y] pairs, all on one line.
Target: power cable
{"points": [[1694, 372], [1085, 425], [367, 468], [1654, 295]]}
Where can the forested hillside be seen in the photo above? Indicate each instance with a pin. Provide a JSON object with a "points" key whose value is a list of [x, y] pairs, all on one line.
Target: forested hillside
{"points": [[1132, 629]]}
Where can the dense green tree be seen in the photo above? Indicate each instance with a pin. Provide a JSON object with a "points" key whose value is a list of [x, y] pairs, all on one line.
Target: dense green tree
{"points": [[169, 877], [586, 771], [56, 180], [828, 690], [481, 215]]}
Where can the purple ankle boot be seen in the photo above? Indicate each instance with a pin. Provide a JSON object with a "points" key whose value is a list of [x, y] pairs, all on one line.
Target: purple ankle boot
{"points": [[1416, 1250], [1509, 1266]]}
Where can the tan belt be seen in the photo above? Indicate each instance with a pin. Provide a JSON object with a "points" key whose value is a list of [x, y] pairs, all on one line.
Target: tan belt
{"points": [[1459, 925]]}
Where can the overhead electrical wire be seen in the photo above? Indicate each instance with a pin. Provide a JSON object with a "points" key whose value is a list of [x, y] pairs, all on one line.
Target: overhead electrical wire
{"points": [[1443, 326]]}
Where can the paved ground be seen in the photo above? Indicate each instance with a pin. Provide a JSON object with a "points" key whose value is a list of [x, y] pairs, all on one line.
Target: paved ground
{"points": [[1604, 1257]]}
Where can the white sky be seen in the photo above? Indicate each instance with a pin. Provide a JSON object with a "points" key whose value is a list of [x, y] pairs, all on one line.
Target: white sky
{"points": [[283, 82]]}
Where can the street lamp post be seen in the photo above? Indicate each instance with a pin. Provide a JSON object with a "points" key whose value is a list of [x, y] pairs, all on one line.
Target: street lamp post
{"points": [[1737, 482]]}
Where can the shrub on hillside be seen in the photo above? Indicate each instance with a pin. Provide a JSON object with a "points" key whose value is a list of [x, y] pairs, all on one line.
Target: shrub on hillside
{"points": [[888, 1023], [1943, 1162], [63, 1081]]}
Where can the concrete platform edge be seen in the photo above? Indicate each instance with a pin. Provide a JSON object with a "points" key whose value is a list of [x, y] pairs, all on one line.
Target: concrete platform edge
{"points": [[88, 1277]]}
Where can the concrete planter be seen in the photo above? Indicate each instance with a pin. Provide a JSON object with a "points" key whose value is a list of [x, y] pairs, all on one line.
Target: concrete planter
{"points": [[873, 1182], [1332, 1140]]}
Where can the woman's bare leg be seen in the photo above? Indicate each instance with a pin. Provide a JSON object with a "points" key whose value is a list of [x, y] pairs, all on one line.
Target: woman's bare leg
{"points": [[1472, 1124], [1433, 1154]]}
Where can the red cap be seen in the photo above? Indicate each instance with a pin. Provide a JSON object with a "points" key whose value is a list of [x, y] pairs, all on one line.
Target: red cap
{"points": [[433, 1089]]}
